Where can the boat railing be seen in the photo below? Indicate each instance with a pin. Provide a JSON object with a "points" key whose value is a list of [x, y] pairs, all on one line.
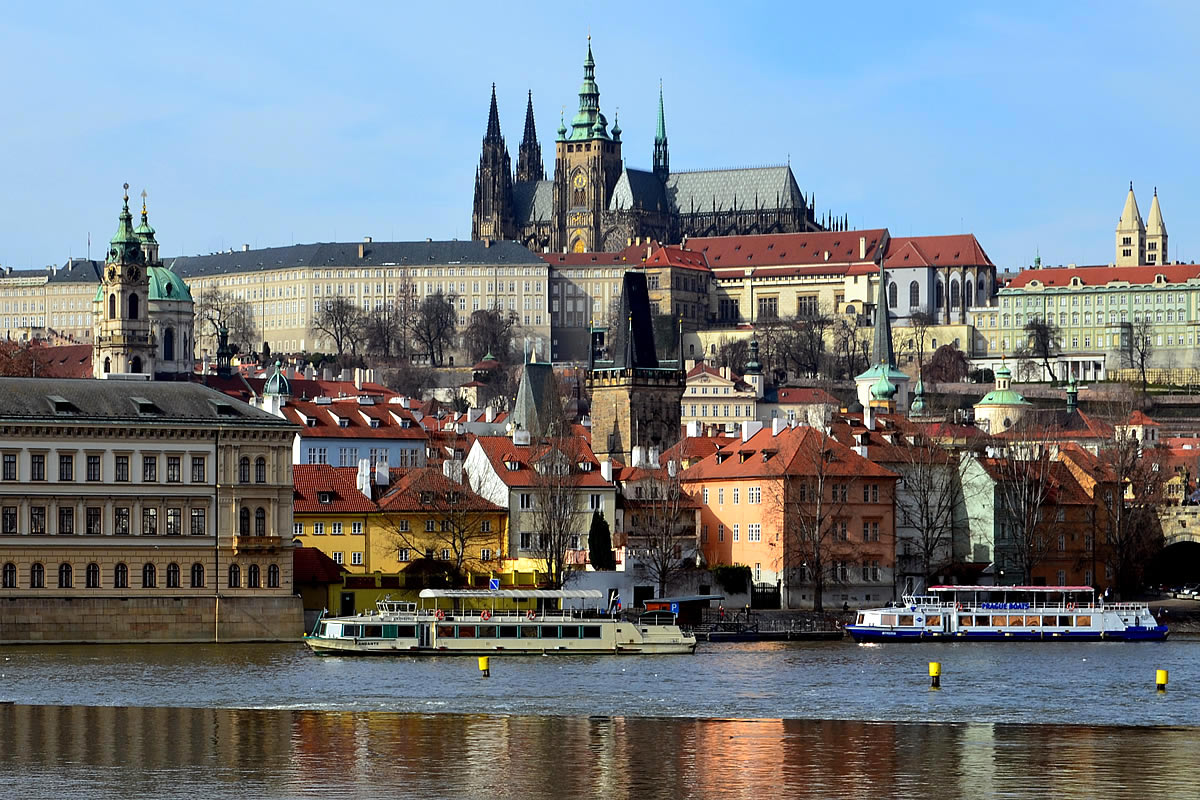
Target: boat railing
{"points": [[512, 615]]}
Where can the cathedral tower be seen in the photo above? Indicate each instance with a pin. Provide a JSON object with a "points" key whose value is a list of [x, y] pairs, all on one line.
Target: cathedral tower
{"points": [[529, 156], [587, 164], [662, 163], [493, 213], [1156, 234], [1131, 234], [123, 340]]}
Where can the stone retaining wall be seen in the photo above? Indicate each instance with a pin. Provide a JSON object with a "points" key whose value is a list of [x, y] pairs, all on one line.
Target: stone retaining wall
{"points": [[149, 619]]}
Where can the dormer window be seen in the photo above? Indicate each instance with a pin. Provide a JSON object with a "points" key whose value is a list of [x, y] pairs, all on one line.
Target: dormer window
{"points": [[325, 498], [343, 422], [374, 422], [426, 498]]}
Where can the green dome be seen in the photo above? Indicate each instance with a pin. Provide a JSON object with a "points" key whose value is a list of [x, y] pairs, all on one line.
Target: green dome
{"points": [[278, 384], [1003, 397], [883, 389], [918, 403], [1003, 372], [166, 285]]}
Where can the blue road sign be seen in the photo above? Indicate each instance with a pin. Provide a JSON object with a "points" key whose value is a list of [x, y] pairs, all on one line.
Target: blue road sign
{"points": [[494, 584]]}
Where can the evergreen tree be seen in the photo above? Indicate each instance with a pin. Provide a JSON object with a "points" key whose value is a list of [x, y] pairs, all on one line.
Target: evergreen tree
{"points": [[600, 543]]}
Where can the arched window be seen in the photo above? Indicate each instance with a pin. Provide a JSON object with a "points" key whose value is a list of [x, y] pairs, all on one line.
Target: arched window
{"points": [[92, 576], [107, 365], [244, 522], [172, 576], [983, 293], [954, 294], [260, 470], [112, 306], [260, 521], [892, 295], [969, 291], [197, 575], [914, 295], [65, 576], [135, 364], [244, 470], [133, 305], [149, 576], [37, 577], [235, 576], [9, 576], [273, 576], [120, 577], [169, 344], [939, 296], [252, 576]]}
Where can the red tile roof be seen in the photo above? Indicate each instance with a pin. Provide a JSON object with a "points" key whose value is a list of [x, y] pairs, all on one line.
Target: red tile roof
{"points": [[310, 480], [793, 394], [957, 250], [694, 448], [794, 451], [1139, 418], [424, 488], [1102, 276], [500, 449], [788, 249], [685, 258], [52, 361], [310, 566], [326, 416]]}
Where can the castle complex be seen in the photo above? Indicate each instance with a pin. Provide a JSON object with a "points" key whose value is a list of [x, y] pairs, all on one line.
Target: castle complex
{"points": [[594, 202]]}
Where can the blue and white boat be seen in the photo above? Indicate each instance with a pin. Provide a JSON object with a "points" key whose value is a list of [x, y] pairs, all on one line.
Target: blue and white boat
{"points": [[1007, 613]]}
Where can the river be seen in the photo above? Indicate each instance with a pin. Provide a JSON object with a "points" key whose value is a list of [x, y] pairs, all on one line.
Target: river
{"points": [[1019, 720]]}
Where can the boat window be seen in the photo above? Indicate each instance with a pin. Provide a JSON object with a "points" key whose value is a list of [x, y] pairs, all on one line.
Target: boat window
{"points": [[906, 620], [888, 619], [389, 631], [445, 631], [1064, 622], [529, 631], [981, 619], [406, 631], [861, 618], [350, 631], [591, 631], [466, 631], [1033, 620], [372, 631], [324, 629], [506, 632], [487, 631], [965, 620], [934, 620], [570, 631], [1083, 620]]}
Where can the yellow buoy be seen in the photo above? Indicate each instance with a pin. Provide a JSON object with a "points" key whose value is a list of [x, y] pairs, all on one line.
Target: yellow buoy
{"points": [[484, 665], [935, 674], [1160, 679]]}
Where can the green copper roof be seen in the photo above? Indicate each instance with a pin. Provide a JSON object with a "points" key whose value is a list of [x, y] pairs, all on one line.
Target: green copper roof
{"points": [[588, 123], [917, 406], [660, 133], [126, 246], [278, 384], [891, 372], [883, 389], [1003, 372], [1003, 397], [166, 285], [144, 231]]}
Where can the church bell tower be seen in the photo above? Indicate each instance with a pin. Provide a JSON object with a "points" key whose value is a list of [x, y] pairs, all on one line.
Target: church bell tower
{"points": [[123, 339]]}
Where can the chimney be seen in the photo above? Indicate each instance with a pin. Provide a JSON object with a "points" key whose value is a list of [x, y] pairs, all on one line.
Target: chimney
{"points": [[606, 470], [869, 417], [489, 414], [358, 378], [345, 376], [777, 424], [363, 480], [521, 438], [749, 428], [862, 248], [452, 468], [672, 468], [367, 239], [326, 374], [652, 459], [725, 373], [637, 456], [245, 248], [310, 372], [381, 471], [693, 428], [362, 251]]}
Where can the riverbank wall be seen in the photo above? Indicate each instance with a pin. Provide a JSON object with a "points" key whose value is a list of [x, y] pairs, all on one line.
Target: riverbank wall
{"points": [[111, 620]]}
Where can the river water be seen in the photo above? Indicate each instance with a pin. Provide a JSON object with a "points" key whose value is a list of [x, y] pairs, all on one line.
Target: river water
{"points": [[1013, 720]]}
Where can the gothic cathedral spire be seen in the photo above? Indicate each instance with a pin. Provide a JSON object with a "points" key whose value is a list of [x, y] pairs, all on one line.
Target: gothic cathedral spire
{"points": [[529, 156], [661, 159], [492, 217]]}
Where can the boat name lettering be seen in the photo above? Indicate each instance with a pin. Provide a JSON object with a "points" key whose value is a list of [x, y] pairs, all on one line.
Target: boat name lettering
{"points": [[1005, 606]]}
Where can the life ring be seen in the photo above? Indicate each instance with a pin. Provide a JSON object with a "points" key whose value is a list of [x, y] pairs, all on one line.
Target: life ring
{"points": [[531, 614], [958, 607], [485, 615], [439, 614], [1070, 606]]}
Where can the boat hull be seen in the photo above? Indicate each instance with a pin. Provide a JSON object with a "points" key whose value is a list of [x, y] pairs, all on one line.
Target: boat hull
{"points": [[325, 646], [1134, 634]]}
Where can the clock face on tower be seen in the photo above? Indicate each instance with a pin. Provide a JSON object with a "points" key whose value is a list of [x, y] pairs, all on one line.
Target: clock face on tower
{"points": [[134, 274], [112, 273], [580, 180]]}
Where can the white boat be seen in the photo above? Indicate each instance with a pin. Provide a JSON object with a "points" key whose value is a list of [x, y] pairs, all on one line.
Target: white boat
{"points": [[1006, 613], [440, 624]]}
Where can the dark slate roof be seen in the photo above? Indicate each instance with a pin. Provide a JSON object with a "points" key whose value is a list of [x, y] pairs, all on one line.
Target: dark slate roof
{"points": [[640, 352], [538, 404], [724, 187], [533, 201], [637, 188], [345, 254], [79, 270], [125, 402]]}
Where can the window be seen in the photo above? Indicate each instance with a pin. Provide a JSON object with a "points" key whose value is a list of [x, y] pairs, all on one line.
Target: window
{"points": [[754, 495], [735, 498], [149, 469], [66, 521], [65, 576], [37, 467], [260, 470], [37, 577], [66, 467], [120, 577], [8, 520], [244, 469], [892, 295], [122, 468], [402, 555], [174, 472], [273, 576], [526, 540], [37, 519], [297, 529], [91, 578], [596, 503], [235, 577], [706, 496], [149, 576], [198, 526], [335, 529], [754, 532], [526, 501], [197, 575], [260, 521], [198, 469], [9, 579], [149, 522], [10, 467], [485, 554], [173, 576], [430, 526], [445, 554], [318, 529], [93, 524], [356, 559], [403, 525], [244, 522], [485, 526], [174, 521], [736, 531]]}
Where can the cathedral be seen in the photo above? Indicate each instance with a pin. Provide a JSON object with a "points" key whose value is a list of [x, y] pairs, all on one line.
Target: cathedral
{"points": [[595, 202]]}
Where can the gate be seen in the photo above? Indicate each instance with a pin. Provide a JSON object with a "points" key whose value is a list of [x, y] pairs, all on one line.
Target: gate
{"points": [[764, 595]]}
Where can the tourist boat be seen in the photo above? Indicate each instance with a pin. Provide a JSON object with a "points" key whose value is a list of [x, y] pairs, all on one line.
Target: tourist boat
{"points": [[1006, 613], [441, 624]]}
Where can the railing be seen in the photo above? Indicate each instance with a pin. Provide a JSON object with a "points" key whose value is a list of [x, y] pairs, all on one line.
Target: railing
{"points": [[499, 615], [260, 544]]}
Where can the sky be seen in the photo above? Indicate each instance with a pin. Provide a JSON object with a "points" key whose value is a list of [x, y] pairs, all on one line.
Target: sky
{"points": [[273, 123]]}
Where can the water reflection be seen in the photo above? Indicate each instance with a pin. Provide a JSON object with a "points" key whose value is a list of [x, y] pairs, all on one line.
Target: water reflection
{"points": [[111, 751]]}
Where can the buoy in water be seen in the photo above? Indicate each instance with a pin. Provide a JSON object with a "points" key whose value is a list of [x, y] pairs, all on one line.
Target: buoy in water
{"points": [[935, 674], [1160, 680], [485, 666]]}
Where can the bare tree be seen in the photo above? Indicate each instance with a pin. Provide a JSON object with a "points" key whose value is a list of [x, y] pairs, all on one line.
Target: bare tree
{"points": [[404, 306], [733, 353], [223, 309], [948, 365], [928, 497], [1139, 349], [662, 526], [557, 508], [851, 347], [342, 322], [491, 332], [919, 325], [803, 351], [383, 330], [1042, 342], [434, 325], [1023, 473]]}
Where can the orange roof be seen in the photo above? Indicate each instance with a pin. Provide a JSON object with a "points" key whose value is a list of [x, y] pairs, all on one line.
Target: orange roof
{"points": [[1102, 276], [501, 451], [794, 451], [427, 487], [788, 249], [677, 257], [793, 394], [310, 481], [345, 418], [692, 448], [957, 250], [1138, 418]]}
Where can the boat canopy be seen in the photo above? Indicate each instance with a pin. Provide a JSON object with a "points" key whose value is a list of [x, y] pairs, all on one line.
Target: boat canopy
{"points": [[1044, 589], [513, 594]]}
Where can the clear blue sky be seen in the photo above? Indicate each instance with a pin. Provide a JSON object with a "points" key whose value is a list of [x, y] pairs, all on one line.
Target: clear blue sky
{"points": [[272, 123]]}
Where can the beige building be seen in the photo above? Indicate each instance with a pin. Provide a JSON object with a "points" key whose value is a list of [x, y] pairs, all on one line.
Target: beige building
{"points": [[143, 511], [1141, 243], [715, 396]]}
